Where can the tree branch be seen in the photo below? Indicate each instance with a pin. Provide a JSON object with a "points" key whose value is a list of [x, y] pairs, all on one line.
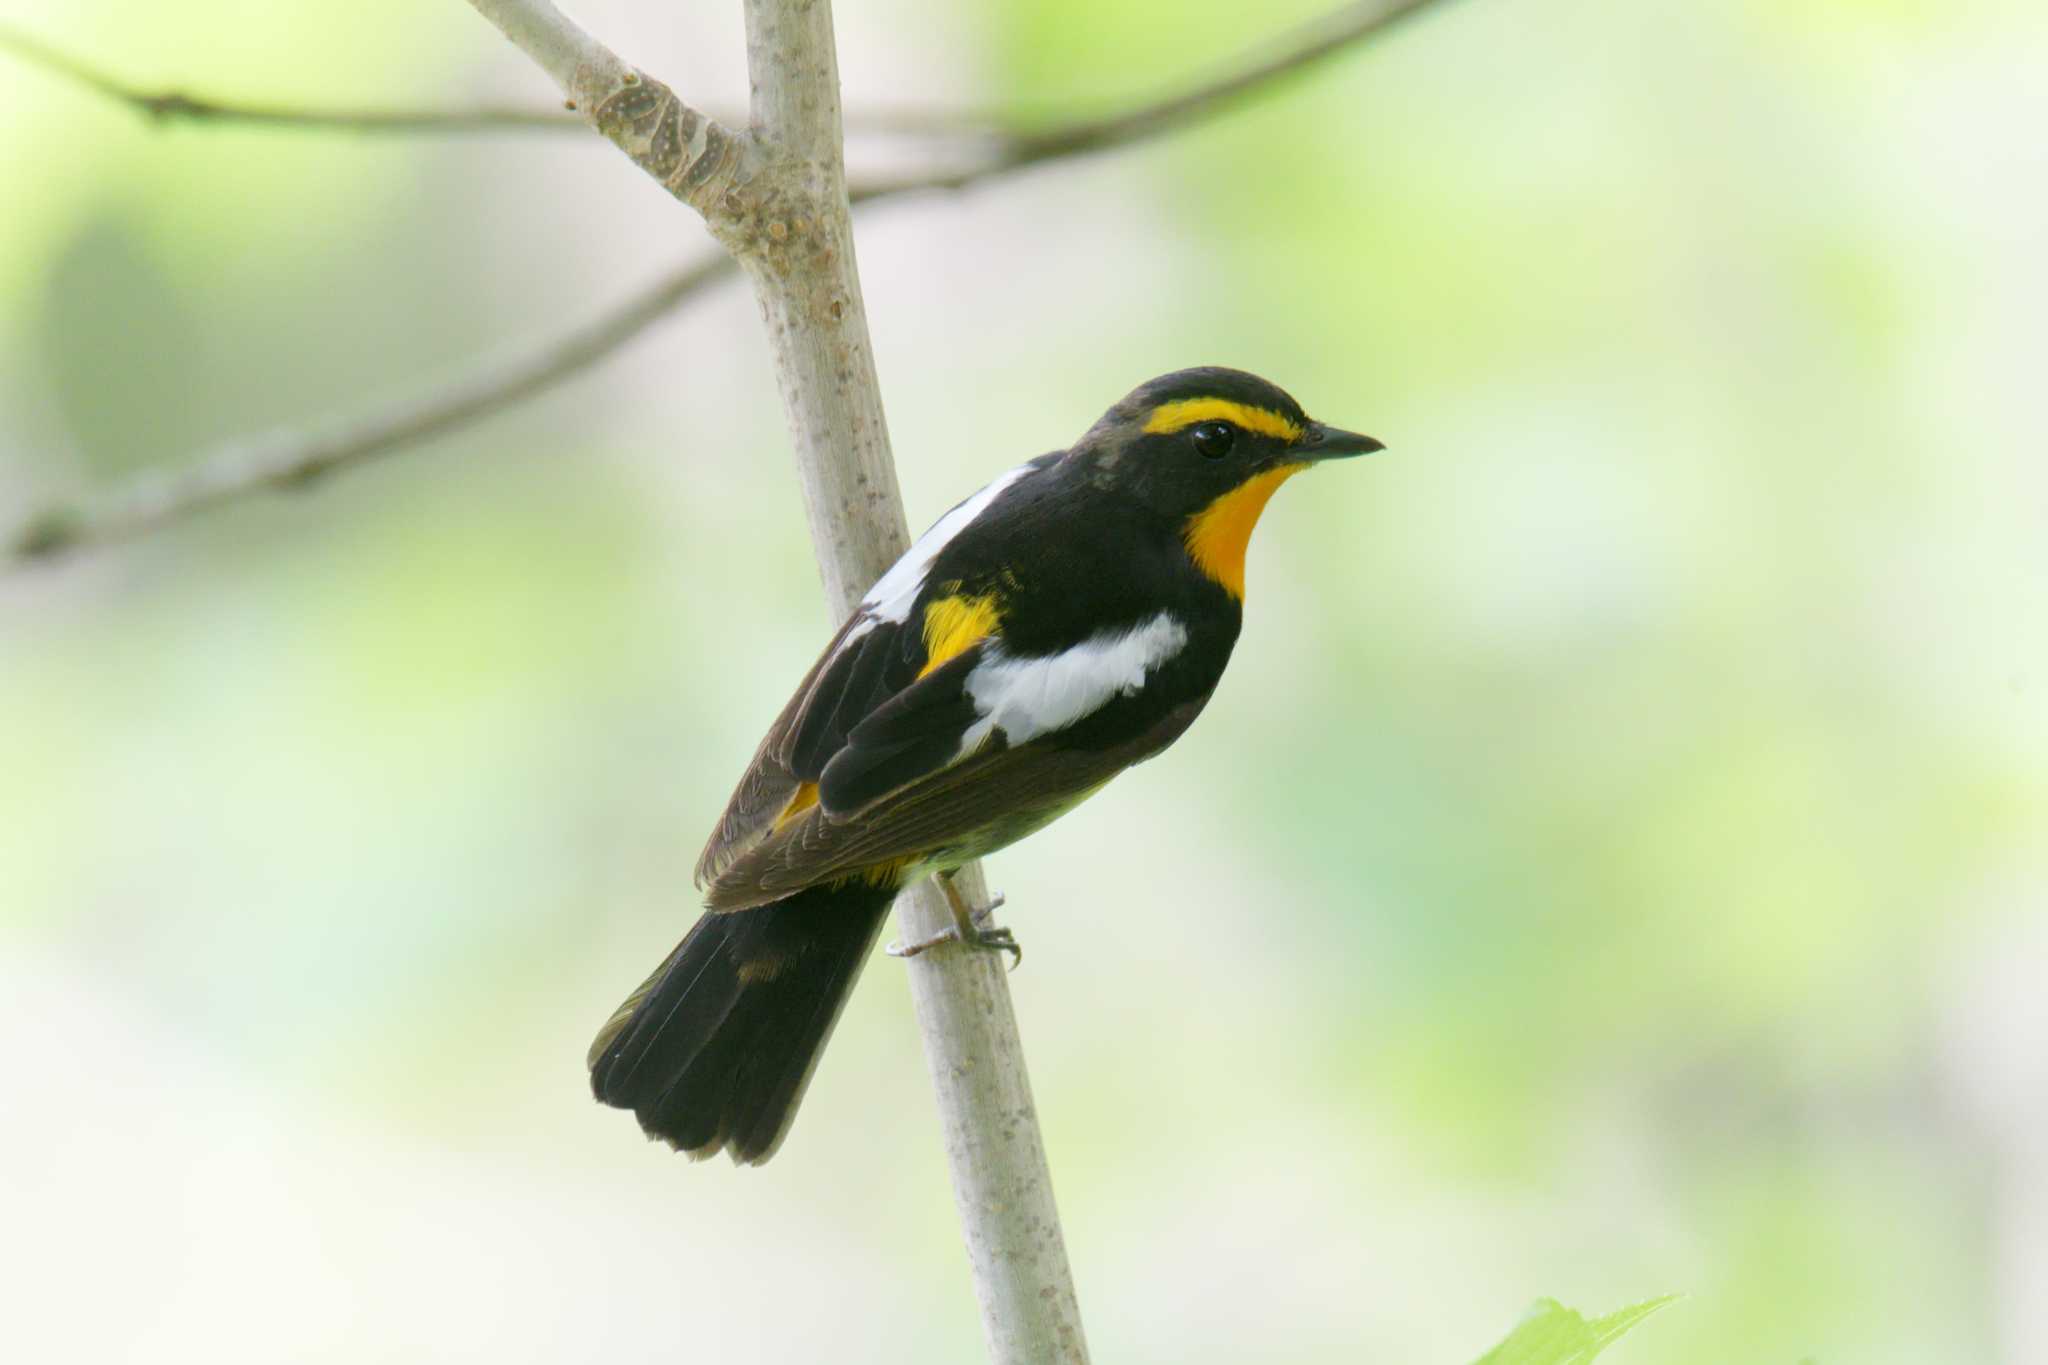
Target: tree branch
{"points": [[696, 158], [1015, 141], [776, 197], [1315, 41], [167, 105], [809, 290], [274, 460], [290, 458], [1304, 47]]}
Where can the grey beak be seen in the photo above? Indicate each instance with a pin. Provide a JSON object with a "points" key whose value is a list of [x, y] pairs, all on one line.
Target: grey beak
{"points": [[1328, 443]]}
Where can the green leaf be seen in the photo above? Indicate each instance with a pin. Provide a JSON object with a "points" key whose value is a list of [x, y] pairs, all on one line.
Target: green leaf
{"points": [[1552, 1334]]}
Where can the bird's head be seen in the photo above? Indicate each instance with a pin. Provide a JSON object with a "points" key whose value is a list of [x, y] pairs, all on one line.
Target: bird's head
{"points": [[1206, 448]]}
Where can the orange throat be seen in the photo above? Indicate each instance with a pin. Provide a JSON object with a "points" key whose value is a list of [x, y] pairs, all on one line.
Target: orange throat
{"points": [[1217, 535]]}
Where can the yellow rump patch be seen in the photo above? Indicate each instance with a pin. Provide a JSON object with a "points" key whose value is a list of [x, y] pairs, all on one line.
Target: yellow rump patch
{"points": [[1185, 412], [954, 625], [806, 796], [1217, 535], [877, 874]]}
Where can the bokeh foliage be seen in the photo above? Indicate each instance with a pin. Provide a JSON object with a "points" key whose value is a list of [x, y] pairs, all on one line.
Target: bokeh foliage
{"points": [[1593, 879]]}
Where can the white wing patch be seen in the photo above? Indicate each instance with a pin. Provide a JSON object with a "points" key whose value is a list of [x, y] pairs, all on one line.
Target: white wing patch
{"points": [[1028, 697], [892, 597]]}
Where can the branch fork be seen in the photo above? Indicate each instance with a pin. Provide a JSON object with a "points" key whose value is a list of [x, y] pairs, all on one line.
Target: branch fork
{"points": [[696, 158]]}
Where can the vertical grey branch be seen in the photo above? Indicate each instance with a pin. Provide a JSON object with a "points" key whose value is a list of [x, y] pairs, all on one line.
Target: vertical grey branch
{"points": [[799, 251], [775, 196]]}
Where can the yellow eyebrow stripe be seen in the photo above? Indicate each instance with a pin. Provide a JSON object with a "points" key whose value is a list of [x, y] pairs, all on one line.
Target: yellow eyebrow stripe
{"points": [[1185, 412], [954, 625]]}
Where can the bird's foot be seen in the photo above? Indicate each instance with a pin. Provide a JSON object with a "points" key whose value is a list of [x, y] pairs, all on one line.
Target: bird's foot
{"points": [[966, 930], [985, 940]]}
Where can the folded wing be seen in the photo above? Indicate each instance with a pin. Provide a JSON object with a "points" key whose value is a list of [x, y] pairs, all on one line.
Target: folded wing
{"points": [[972, 754], [878, 653]]}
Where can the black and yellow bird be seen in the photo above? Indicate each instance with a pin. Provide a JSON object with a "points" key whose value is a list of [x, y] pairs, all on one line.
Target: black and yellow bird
{"points": [[1067, 621]]}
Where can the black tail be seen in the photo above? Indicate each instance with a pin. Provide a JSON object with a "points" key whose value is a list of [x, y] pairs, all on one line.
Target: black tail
{"points": [[715, 1049]]}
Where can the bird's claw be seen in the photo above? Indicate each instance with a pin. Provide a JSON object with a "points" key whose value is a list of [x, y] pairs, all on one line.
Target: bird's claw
{"points": [[970, 934]]}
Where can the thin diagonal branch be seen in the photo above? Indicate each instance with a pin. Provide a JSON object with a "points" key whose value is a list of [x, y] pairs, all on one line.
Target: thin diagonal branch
{"points": [[292, 457], [169, 105], [1306, 46], [1014, 141], [694, 156], [275, 460], [1315, 41]]}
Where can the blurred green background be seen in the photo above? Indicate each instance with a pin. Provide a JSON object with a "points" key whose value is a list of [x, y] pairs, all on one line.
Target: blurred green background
{"points": [[1615, 863]]}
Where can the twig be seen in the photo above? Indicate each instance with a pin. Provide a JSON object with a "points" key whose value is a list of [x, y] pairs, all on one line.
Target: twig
{"points": [[1016, 141], [1312, 42], [168, 498], [293, 457], [695, 157], [1307, 45], [168, 105]]}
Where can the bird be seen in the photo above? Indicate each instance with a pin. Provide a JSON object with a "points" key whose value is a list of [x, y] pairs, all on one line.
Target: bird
{"points": [[1067, 621]]}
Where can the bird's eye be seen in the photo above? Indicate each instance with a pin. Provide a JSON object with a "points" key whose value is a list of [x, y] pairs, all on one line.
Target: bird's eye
{"points": [[1214, 439]]}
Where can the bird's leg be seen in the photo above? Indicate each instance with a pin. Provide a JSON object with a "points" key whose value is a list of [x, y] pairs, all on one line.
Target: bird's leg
{"points": [[967, 922]]}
